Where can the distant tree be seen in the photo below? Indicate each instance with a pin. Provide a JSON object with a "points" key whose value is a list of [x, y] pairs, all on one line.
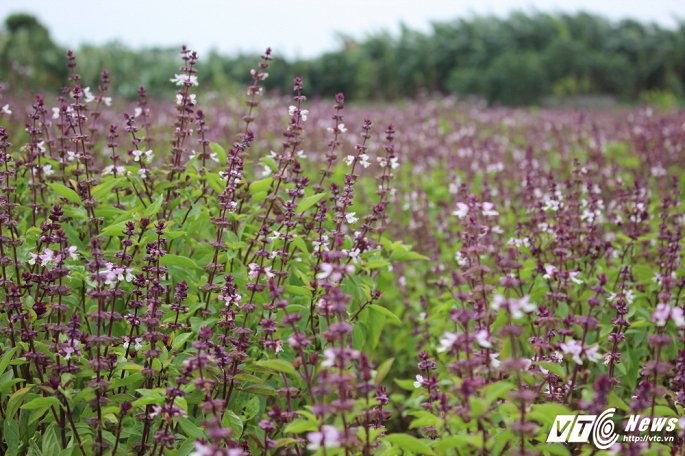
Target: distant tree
{"points": [[29, 59]]}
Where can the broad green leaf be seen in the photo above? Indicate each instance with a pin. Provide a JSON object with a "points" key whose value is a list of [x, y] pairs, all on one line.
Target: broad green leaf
{"points": [[177, 260], [65, 192], [219, 151], [386, 312], [15, 401], [309, 201], [152, 209], [450, 442], [261, 185], [41, 403], [6, 358], [279, 365], [300, 426], [191, 429], [382, 370], [233, 421], [409, 443]]}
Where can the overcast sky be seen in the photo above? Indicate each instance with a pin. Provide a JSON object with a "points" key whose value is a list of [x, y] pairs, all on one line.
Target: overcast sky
{"points": [[293, 28]]}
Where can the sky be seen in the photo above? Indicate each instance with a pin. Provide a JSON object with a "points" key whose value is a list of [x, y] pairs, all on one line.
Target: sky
{"points": [[293, 28]]}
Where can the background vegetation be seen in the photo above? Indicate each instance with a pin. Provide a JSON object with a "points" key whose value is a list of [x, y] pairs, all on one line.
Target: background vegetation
{"points": [[522, 59]]}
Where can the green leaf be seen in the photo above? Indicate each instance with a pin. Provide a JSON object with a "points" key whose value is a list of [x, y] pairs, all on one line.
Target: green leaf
{"points": [[409, 443], [153, 208], [261, 185], [219, 151], [459, 441], [233, 421], [65, 192], [496, 391], [191, 429], [41, 403], [386, 312], [555, 368], [6, 358], [15, 400], [382, 370], [177, 260], [300, 426], [11, 436], [180, 339], [102, 190], [279, 365], [51, 444], [114, 230], [309, 201]]}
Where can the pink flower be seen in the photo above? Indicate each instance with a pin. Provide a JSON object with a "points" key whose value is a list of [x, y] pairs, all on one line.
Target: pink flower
{"points": [[327, 437]]}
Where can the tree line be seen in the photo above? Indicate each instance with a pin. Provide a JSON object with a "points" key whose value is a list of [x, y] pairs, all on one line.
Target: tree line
{"points": [[521, 59]]}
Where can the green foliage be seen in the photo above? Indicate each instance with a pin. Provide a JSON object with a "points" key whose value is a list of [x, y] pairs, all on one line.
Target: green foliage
{"points": [[520, 59]]}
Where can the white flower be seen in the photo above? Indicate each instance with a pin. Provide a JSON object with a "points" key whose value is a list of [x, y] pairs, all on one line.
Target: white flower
{"points": [[41, 146], [253, 270], [111, 168], [48, 256], [87, 95], [47, 170], [300, 154], [494, 362], [328, 437], [340, 129], [71, 251], [573, 275], [447, 341], [349, 160], [137, 154], [71, 155], [326, 269], [108, 101], [419, 381], [329, 358], [364, 161], [482, 338], [184, 79], [592, 353], [261, 75], [114, 274], [551, 205], [573, 348], [550, 272], [354, 254], [489, 210], [516, 307], [55, 113], [394, 162], [191, 99], [33, 258], [142, 172], [6, 110], [137, 112], [462, 210], [350, 217], [304, 113], [516, 242], [661, 314], [461, 259]]}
